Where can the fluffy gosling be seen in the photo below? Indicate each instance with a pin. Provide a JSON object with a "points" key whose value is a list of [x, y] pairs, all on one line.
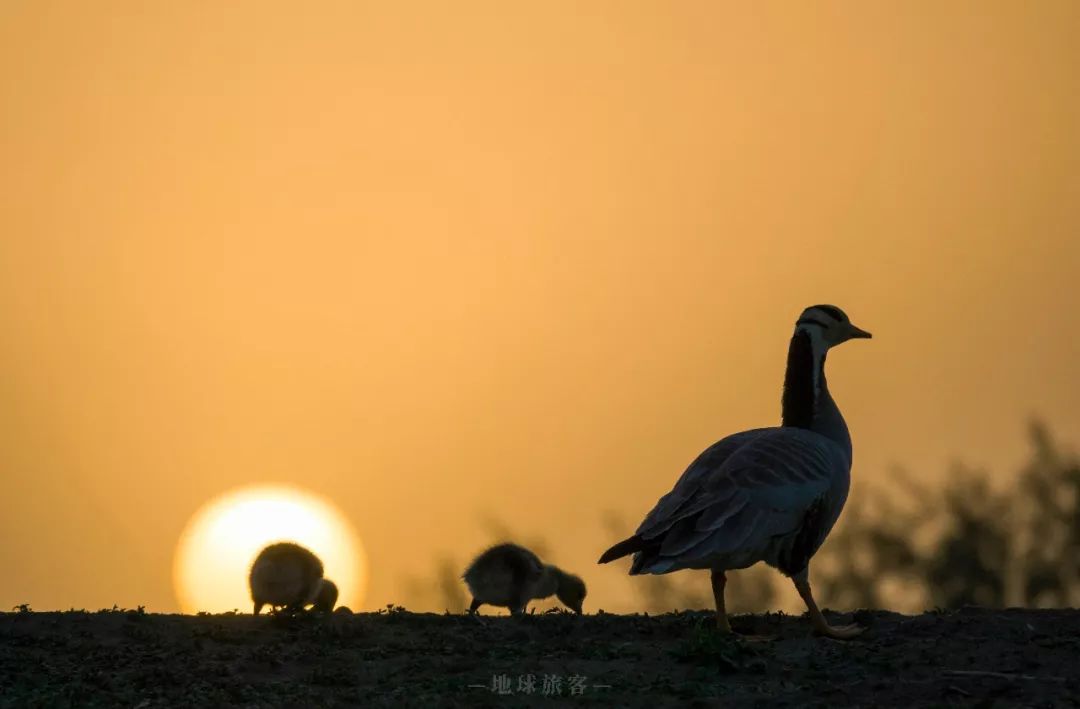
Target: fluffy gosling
{"points": [[288, 576], [510, 576]]}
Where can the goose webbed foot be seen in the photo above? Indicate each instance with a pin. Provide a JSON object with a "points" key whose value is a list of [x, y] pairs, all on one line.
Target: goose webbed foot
{"points": [[821, 626], [837, 632]]}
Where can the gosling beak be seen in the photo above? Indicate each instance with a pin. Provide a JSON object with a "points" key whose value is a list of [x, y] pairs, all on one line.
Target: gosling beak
{"points": [[858, 333]]}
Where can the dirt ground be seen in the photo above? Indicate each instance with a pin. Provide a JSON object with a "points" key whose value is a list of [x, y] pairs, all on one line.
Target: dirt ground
{"points": [[971, 657]]}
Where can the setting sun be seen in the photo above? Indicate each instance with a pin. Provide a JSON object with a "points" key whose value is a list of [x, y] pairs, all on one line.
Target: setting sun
{"points": [[223, 537]]}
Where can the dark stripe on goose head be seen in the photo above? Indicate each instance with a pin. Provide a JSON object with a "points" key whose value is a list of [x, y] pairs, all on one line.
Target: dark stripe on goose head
{"points": [[800, 388], [832, 311], [812, 321]]}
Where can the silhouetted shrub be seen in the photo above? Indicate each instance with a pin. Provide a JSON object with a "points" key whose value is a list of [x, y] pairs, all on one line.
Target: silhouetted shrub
{"points": [[967, 543]]}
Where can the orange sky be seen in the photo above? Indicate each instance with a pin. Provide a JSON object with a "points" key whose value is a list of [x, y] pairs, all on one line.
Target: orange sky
{"points": [[448, 260]]}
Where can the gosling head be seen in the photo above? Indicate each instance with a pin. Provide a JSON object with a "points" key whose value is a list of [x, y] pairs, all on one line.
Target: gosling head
{"points": [[828, 326], [571, 591], [325, 596]]}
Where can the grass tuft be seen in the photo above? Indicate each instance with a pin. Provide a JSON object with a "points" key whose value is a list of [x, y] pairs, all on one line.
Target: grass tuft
{"points": [[726, 652]]}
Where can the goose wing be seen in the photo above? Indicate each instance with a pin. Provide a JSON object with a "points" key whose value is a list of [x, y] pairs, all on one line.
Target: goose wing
{"points": [[739, 494], [685, 496]]}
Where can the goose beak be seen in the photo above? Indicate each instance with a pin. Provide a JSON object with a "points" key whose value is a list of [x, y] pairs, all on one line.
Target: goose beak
{"points": [[858, 333]]}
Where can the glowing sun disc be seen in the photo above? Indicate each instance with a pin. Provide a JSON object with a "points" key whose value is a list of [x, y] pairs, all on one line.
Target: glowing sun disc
{"points": [[216, 548]]}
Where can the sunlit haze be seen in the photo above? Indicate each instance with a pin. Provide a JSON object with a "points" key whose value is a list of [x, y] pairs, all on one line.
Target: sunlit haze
{"points": [[453, 266]]}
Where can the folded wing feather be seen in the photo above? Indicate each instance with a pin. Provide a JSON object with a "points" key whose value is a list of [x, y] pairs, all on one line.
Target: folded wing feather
{"points": [[737, 495]]}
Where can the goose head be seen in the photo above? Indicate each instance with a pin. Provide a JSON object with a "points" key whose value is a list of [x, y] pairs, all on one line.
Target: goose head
{"points": [[828, 326]]}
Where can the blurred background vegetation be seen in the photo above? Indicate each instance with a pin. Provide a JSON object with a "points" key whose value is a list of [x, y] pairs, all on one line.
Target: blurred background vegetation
{"points": [[903, 545], [967, 541]]}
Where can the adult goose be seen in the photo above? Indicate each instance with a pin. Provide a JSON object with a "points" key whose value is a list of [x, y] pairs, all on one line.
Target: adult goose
{"points": [[768, 494]]}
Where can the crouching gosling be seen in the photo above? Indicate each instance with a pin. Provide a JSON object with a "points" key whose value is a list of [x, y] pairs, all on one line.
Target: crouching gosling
{"points": [[510, 576], [288, 576]]}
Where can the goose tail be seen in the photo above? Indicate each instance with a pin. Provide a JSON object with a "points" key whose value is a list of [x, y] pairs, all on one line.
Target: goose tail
{"points": [[623, 548]]}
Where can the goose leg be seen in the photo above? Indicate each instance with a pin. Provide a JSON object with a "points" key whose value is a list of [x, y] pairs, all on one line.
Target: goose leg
{"points": [[719, 581], [821, 626]]}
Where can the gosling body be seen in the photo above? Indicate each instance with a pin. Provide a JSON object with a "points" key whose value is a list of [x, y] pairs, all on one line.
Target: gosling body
{"points": [[286, 576], [509, 576]]}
